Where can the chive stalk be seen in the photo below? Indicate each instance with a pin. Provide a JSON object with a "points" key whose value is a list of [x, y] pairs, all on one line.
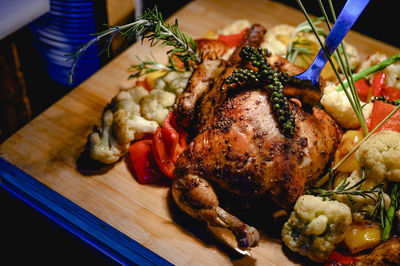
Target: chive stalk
{"points": [[387, 226]]}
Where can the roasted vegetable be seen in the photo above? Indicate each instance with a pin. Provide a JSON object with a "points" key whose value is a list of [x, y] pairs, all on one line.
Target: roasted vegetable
{"points": [[122, 123], [363, 235], [380, 156], [102, 145], [316, 226]]}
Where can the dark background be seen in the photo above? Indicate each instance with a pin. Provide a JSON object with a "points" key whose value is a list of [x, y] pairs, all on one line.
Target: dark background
{"points": [[29, 236]]}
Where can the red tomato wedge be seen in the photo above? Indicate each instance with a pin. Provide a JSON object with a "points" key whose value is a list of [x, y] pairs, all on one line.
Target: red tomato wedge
{"points": [[232, 40], [390, 94], [337, 258], [363, 89], [377, 83], [379, 111], [168, 143], [142, 159]]}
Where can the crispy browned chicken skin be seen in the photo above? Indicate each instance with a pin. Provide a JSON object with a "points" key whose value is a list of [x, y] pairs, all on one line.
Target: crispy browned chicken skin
{"points": [[239, 146], [385, 254]]}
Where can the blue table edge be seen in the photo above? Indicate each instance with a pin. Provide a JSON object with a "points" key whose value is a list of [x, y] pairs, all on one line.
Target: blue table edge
{"points": [[97, 233]]}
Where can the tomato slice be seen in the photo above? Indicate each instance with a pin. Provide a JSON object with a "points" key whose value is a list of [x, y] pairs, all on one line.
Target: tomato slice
{"points": [[142, 159], [168, 143], [379, 111], [144, 84], [232, 40], [390, 94], [363, 89], [377, 83], [337, 258]]}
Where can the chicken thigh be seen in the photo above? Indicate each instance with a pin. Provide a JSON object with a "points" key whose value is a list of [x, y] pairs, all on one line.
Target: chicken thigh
{"points": [[239, 147]]}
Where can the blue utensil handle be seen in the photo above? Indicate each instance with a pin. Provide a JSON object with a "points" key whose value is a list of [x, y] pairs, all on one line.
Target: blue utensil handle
{"points": [[347, 17]]}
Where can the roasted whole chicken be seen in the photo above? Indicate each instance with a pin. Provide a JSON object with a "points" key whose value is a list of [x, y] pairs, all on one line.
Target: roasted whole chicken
{"points": [[238, 147]]}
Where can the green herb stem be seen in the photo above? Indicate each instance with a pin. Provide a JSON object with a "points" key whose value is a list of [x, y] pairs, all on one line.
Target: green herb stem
{"points": [[325, 178], [388, 224], [346, 69], [371, 69], [152, 27], [352, 96]]}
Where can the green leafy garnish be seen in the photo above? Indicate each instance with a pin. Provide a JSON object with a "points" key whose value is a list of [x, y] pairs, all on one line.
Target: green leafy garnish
{"points": [[150, 26], [376, 194], [150, 64], [296, 47], [394, 205]]}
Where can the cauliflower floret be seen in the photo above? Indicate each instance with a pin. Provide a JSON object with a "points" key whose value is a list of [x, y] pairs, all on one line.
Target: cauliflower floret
{"points": [[315, 226], [102, 145], [392, 72], [160, 100], [236, 27], [338, 106], [277, 40], [173, 81], [132, 113], [128, 123], [157, 105], [273, 40], [380, 156], [122, 124]]}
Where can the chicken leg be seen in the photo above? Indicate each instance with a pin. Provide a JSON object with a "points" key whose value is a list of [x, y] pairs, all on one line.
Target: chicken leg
{"points": [[196, 197]]}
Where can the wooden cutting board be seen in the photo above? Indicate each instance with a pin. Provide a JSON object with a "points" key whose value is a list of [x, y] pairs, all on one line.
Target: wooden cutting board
{"points": [[49, 146]]}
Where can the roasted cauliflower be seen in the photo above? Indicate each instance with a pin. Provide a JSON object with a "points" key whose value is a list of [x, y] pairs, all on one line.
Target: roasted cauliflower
{"points": [[160, 100], [102, 145], [128, 123], [337, 105], [316, 226], [173, 81], [236, 27], [132, 113], [380, 156], [121, 124], [277, 40]]}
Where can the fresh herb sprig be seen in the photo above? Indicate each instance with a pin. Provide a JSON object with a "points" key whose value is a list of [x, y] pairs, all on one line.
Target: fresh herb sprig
{"points": [[150, 26], [296, 47], [376, 194], [389, 218], [150, 64]]}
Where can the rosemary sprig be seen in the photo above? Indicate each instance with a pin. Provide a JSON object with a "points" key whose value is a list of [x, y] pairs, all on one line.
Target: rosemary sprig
{"points": [[376, 194], [150, 26], [150, 64]]}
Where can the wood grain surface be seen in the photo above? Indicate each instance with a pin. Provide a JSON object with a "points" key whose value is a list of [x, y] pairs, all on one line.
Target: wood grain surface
{"points": [[49, 147]]}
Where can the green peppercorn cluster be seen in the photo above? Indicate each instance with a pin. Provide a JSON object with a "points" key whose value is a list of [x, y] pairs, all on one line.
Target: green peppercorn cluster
{"points": [[263, 76], [383, 99]]}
